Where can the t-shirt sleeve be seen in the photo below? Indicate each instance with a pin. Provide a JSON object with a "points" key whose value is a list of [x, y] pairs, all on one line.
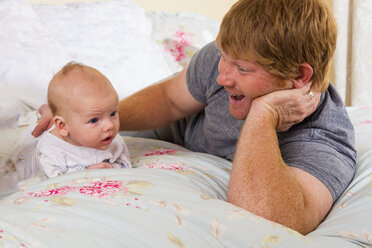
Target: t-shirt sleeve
{"points": [[201, 74], [332, 167]]}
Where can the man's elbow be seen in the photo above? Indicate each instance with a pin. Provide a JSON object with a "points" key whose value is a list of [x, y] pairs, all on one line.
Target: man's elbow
{"points": [[302, 221]]}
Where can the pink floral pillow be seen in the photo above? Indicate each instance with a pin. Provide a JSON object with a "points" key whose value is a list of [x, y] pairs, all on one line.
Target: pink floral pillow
{"points": [[181, 35]]}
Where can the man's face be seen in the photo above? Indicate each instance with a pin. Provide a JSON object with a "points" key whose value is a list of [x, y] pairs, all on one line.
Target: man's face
{"points": [[244, 81]]}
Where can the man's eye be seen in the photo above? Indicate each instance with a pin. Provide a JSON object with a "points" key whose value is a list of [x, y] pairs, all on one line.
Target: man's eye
{"points": [[242, 69], [113, 113], [94, 120]]}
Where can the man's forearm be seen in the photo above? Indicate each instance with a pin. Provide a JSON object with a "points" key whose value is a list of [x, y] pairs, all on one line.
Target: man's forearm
{"points": [[262, 183], [141, 111]]}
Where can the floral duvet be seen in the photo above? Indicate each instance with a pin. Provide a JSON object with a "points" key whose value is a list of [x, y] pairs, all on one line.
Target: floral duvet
{"points": [[171, 198]]}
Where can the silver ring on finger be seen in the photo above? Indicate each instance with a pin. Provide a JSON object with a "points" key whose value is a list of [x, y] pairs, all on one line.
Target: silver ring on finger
{"points": [[311, 94]]}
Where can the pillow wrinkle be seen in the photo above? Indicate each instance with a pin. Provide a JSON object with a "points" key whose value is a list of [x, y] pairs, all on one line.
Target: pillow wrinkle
{"points": [[30, 56], [113, 36]]}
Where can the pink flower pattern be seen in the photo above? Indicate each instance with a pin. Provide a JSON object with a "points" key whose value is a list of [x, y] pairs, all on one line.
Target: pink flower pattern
{"points": [[57, 191], [366, 122], [157, 165], [96, 189], [101, 189], [160, 152], [177, 47], [135, 203]]}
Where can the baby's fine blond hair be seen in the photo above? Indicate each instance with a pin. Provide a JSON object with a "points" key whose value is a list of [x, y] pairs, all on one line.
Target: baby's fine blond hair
{"points": [[72, 78]]}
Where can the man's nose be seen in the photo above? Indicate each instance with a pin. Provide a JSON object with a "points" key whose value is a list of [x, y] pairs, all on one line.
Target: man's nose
{"points": [[225, 78]]}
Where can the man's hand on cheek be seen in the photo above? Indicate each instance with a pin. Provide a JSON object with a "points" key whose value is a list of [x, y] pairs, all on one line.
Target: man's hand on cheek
{"points": [[287, 107]]}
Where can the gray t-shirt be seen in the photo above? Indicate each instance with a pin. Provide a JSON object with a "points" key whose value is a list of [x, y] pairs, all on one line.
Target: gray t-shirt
{"points": [[322, 145]]}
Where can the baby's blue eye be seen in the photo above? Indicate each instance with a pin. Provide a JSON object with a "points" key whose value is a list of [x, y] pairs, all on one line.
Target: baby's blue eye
{"points": [[94, 120], [113, 113]]}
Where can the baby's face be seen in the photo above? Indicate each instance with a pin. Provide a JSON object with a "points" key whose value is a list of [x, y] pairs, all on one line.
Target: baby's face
{"points": [[93, 120]]}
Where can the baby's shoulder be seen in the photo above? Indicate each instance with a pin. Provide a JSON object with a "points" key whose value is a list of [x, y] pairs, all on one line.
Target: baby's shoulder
{"points": [[49, 142]]}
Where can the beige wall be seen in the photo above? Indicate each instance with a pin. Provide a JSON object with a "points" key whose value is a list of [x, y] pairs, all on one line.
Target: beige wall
{"points": [[214, 9]]}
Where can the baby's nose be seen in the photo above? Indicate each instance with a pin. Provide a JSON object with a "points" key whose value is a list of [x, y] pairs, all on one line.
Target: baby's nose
{"points": [[108, 124]]}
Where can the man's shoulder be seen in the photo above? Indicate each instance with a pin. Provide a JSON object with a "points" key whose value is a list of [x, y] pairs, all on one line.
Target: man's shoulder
{"points": [[332, 111], [202, 72]]}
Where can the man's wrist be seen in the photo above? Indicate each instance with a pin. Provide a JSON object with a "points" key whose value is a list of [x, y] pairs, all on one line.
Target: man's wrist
{"points": [[262, 113]]}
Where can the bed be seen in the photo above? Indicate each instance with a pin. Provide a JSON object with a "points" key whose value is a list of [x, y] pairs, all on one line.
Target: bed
{"points": [[172, 197]]}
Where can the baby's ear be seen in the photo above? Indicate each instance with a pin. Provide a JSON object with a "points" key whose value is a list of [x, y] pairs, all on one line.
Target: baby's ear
{"points": [[60, 125]]}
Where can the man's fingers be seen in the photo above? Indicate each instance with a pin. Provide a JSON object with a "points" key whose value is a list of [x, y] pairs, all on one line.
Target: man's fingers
{"points": [[43, 124], [37, 131], [50, 125]]}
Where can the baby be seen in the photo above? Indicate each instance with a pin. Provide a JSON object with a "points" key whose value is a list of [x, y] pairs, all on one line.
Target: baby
{"points": [[86, 123]]}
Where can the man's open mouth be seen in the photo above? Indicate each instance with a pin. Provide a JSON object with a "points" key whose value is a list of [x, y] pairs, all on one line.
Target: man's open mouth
{"points": [[237, 97]]}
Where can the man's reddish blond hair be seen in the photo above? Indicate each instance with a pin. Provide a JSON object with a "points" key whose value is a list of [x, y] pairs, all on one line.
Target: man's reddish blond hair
{"points": [[280, 35]]}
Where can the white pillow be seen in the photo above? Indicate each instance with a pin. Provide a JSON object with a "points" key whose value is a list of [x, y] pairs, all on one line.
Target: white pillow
{"points": [[29, 55], [11, 109], [112, 36]]}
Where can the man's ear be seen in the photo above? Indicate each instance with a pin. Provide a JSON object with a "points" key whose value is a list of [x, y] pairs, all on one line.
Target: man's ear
{"points": [[306, 72], [60, 125]]}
